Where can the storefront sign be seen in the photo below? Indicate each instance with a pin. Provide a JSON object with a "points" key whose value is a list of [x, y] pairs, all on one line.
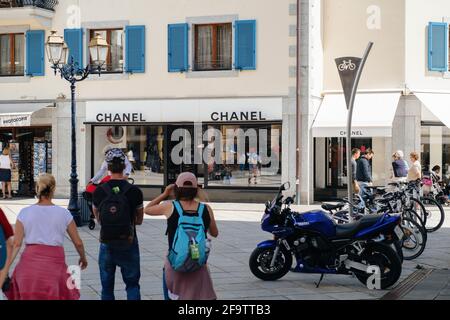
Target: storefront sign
{"points": [[120, 117], [187, 110], [356, 132], [20, 120], [237, 116]]}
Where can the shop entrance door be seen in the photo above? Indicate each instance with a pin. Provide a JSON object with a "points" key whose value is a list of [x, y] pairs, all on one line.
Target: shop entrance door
{"points": [[186, 142], [336, 167], [337, 159]]}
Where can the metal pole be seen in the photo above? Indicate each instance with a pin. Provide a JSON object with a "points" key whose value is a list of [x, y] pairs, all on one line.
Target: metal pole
{"points": [[349, 124], [73, 203], [298, 108]]}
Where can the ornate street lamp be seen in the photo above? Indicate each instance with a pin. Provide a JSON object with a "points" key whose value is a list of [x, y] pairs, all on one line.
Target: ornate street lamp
{"points": [[58, 56]]}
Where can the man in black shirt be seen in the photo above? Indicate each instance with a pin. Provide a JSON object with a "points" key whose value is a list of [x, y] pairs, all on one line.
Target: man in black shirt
{"points": [[364, 173], [124, 256]]}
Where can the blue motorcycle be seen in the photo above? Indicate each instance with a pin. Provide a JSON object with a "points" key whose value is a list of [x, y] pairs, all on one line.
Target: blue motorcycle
{"points": [[320, 246]]}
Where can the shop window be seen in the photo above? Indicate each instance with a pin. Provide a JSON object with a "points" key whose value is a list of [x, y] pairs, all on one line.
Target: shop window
{"points": [[115, 59], [436, 149], [213, 47], [12, 52], [143, 146], [250, 156]]}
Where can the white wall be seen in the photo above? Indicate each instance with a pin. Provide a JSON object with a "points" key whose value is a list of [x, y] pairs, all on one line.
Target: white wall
{"points": [[270, 79], [418, 14], [348, 27]]}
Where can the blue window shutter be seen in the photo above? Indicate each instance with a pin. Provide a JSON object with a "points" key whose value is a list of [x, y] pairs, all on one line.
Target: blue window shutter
{"points": [[135, 49], [35, 52], [178, 47], [245, 45], [74, 40], [438, 46]]}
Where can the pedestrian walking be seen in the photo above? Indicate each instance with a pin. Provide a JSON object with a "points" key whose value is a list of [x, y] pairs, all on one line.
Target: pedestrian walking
{"points": [[180, 281], [253, 165], [364, 173], [42, 273], [6, 164], [118, 207], [399, 167]]}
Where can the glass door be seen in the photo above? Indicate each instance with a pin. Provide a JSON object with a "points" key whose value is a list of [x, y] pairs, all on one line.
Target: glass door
{"points": [[337, 159]]}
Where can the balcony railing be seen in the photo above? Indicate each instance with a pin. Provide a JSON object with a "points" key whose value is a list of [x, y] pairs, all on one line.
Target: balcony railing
{"points": [[43, 4]]}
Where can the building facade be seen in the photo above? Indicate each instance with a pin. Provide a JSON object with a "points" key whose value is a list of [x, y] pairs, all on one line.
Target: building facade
{"points": [[403, 95], [210, 70]]}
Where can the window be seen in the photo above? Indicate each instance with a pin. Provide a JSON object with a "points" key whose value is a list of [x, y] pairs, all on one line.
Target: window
{"points": [[115, 38], [213, 47], [142, 144], [436, 149], [252, 159], [12, 52]]}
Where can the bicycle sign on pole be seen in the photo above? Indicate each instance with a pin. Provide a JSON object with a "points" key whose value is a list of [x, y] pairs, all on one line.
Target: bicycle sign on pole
{"points": [[350, 70]]}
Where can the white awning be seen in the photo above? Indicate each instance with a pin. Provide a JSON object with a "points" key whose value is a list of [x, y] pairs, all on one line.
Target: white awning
{"points": [[438, 104], [19, 115], [373, 115]]}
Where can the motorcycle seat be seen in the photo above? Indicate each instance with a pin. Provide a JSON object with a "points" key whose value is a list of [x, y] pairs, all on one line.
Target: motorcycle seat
{"points": [[350, 229], [330, 207]]}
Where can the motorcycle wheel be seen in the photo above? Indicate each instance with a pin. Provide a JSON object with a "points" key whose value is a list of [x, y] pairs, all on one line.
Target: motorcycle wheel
{"points": [[415, 239], [398, 247], [260, 261], [385, 258], [91, 225]]}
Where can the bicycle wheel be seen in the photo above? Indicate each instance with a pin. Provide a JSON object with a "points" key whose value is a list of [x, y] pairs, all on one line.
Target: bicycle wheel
{"points": [[419, 208], [413, 215], [414, 241], [434, 212]]}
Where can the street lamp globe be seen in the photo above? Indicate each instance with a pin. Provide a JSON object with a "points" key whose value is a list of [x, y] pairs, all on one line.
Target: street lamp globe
{"points": [[55, 48], [98, 48], [65, 55]]}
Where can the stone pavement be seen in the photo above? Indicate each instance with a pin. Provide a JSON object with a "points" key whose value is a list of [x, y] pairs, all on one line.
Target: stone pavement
{"points": [[434, 287], [239, 234]]}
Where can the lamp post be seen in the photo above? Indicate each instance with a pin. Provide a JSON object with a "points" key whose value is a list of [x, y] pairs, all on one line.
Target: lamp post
{"points": [[58, 56]]}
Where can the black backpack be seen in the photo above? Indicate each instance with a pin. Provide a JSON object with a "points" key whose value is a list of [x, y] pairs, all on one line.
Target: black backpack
{"points": [[115, 215]]}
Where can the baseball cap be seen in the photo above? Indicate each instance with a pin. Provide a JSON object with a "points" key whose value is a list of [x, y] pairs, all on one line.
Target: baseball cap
{"points": [[115, 154], [184, 178], [107, 148]]}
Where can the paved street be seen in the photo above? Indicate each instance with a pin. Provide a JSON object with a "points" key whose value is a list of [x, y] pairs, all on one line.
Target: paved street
{"points": [[239, 234]]}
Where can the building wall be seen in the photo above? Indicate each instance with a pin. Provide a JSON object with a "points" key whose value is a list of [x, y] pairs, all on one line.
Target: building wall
{"points": [[348, 27], [274, 75], [418, 15], [271, 78]]}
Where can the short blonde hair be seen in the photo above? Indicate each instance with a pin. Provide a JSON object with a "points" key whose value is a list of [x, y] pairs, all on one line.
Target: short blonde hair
{"points": [[5, 151], [414, 155], [46, 186]]}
